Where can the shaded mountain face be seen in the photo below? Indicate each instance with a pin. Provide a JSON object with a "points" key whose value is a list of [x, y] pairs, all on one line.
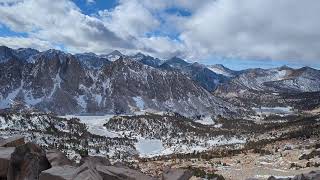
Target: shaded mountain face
{"points": [[60, 83], [91, 60], [175, 63], [22, 54], [199, 73], [147, 60]]}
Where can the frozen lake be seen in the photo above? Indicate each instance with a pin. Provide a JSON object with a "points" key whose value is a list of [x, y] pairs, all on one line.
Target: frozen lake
{"points": [[273, 110], [149, 147]]}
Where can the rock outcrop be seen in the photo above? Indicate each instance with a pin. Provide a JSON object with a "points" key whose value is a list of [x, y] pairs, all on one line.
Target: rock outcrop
{"points": [[121, 173], [27, 162], [313, 175], [65, 172], [57, 158]]}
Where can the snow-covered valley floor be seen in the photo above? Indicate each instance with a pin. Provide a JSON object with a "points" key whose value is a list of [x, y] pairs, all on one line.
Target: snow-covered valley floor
{"points": [[150, 147]]}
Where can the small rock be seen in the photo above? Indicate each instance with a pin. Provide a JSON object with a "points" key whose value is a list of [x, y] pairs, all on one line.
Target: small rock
{"points": [[97, 160], [65, 172], [121, 173], [87, 171], [57, 158]]}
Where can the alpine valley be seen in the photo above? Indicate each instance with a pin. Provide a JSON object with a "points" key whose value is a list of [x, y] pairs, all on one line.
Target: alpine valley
{"points": [[149, 114]]}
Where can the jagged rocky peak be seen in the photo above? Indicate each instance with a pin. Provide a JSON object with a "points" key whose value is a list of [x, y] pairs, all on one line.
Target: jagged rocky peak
{"points": [[176, 62], [91, 60], [196, 64], [116, 53], [220, 69], [53, 55], [54, 52], [139, 56], [285, 67], [6, 54], [113, 56], [147, 60]]}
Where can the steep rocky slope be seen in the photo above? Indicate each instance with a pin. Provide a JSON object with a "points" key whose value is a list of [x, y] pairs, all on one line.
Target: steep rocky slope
{"points": [[282, 86], [199, 73], [62, 83]]}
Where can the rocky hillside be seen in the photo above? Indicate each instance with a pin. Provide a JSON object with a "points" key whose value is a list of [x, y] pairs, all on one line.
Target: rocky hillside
{"points": [[63, 83], [282, 86], [283, 79], [199, 73], [68, 135]]}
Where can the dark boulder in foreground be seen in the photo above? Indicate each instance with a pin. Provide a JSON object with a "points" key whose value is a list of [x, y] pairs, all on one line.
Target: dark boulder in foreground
{"points": [[27, 162]]}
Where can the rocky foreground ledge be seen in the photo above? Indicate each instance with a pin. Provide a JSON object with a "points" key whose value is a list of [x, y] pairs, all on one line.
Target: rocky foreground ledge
{"points": [[27, 161]]}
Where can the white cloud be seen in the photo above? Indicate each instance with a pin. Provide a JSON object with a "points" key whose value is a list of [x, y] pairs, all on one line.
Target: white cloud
{"points": [[129, 18], [163, 47], [286, 29], [22, 42], [60, 22]]}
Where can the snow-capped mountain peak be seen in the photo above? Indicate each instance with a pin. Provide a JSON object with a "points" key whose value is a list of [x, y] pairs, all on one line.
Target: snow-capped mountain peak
{"points": [[114, 55], [220, 69]]}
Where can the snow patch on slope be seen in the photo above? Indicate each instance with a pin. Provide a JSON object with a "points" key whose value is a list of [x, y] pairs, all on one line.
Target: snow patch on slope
{"points": [[139, 102]]}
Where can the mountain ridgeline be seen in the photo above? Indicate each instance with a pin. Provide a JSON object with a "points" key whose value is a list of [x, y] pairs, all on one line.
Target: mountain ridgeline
{"points": [[114, 83], [87, 83]]}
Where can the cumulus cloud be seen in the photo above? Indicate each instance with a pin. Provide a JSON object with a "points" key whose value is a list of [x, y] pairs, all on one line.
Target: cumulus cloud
{"points": [[60, 22], [129, 18], [286, 29], [22, 42], [273, 29]]}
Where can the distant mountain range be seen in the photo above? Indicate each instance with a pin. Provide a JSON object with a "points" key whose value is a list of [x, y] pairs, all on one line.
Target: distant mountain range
{"points": [[115, 83]]}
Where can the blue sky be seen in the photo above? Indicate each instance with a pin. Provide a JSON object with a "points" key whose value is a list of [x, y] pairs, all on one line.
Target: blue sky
{"points": [[238, 35], [93, 7]]}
